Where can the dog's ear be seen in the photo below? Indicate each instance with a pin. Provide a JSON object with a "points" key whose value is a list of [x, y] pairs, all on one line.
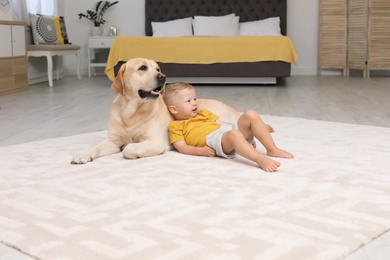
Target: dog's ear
{"points": [[118, 66], [118, 83]]}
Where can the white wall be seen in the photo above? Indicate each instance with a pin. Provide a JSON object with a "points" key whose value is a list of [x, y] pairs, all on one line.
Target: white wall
{"points": [[128, 17], [302, 28]]}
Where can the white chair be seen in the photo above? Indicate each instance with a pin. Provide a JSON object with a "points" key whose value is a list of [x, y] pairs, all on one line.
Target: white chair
{"points": [[57, 50]]}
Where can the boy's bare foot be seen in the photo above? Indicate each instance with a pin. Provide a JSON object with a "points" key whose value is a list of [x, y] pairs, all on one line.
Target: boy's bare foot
{"points": [[280, 153], [267, 164]]}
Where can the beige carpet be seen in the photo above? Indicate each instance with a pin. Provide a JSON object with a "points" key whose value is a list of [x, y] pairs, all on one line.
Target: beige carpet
{"points": [[327, 202]]}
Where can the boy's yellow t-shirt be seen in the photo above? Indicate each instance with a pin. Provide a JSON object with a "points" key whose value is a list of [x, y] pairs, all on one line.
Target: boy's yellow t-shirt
{"points": [[194, 131]]}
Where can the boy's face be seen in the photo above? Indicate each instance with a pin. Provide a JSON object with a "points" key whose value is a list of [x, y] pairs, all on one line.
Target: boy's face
{"points": [[185, 105]]}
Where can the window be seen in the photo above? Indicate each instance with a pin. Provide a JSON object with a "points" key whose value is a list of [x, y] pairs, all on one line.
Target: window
{"points": [[21, 8], [46, 7]]}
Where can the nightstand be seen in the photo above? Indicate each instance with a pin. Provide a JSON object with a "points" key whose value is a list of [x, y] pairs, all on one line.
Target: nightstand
{"points": [[97, 42]]}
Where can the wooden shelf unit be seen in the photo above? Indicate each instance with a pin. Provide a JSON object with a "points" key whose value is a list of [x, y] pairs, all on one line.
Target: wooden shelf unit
{"points": [[13, 56]]}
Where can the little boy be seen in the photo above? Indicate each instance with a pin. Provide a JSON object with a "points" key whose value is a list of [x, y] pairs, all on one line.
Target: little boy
{"points": [[201, 132]]}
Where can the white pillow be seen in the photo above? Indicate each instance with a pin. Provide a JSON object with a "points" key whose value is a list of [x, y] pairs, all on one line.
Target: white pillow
{"points": [[174, 28], [216, 25], [266, 27]]}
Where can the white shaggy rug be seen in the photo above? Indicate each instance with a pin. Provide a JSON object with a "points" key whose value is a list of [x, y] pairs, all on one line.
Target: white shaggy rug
{"points": [[327, 202]]}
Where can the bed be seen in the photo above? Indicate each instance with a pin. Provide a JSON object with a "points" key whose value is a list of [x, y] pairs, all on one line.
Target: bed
{"points": [[211, 59]]}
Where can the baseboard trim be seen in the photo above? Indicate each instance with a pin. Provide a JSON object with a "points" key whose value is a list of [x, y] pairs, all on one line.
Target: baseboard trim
{"points": [[41, 79]]}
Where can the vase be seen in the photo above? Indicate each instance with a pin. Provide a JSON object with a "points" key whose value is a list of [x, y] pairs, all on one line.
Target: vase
{"points": [[97, 31]]}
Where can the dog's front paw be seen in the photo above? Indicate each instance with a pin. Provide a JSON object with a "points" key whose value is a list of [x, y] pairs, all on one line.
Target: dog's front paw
{"points": [[130, 154], [141, 150], [81, 159]]}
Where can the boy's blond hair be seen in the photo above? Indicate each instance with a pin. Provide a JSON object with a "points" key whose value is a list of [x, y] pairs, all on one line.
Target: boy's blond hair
{"points": [[172, 89]]}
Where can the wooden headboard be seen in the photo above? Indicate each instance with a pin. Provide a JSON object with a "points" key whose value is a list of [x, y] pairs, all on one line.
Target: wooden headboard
{"points": [[247, 10]]}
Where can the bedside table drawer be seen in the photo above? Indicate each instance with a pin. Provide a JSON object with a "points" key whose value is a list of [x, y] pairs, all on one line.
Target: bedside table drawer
{"points": [[100, 43]]}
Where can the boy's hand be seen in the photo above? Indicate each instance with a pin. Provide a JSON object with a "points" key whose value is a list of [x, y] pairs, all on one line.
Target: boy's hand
{"points": [[182, 147], [207, 151]]}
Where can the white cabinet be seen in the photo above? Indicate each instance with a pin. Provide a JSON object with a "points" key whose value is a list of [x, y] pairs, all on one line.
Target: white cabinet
{"points": [[5, 41], [97, 42], [18, 40], [13, 40], [13, 58]]}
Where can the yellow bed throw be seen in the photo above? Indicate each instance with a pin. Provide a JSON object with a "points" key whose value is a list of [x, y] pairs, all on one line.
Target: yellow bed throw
{"points": [[201, 49]]}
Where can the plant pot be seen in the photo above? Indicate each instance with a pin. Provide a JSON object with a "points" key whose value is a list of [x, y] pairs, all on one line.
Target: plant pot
{"points": [[97, 31]]}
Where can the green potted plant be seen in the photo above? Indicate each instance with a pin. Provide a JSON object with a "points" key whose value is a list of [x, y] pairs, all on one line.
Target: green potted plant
{"points": [[96, 15]]}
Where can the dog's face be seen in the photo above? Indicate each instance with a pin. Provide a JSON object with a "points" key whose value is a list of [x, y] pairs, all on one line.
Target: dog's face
{"points": [[139, 78]]}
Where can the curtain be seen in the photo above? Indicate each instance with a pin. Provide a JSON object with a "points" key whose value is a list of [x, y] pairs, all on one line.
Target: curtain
{"points": [[45, 7], [21, 8]]}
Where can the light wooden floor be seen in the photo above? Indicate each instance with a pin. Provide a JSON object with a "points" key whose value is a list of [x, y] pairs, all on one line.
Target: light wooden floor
{"points": [[75, 106]]}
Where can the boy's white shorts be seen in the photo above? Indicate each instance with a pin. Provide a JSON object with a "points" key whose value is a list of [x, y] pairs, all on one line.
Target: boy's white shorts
{"points": [[214, 140]]}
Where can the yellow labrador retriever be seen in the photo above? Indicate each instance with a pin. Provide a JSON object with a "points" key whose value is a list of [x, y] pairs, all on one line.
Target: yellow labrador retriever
{"points": [[139, 119]]}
